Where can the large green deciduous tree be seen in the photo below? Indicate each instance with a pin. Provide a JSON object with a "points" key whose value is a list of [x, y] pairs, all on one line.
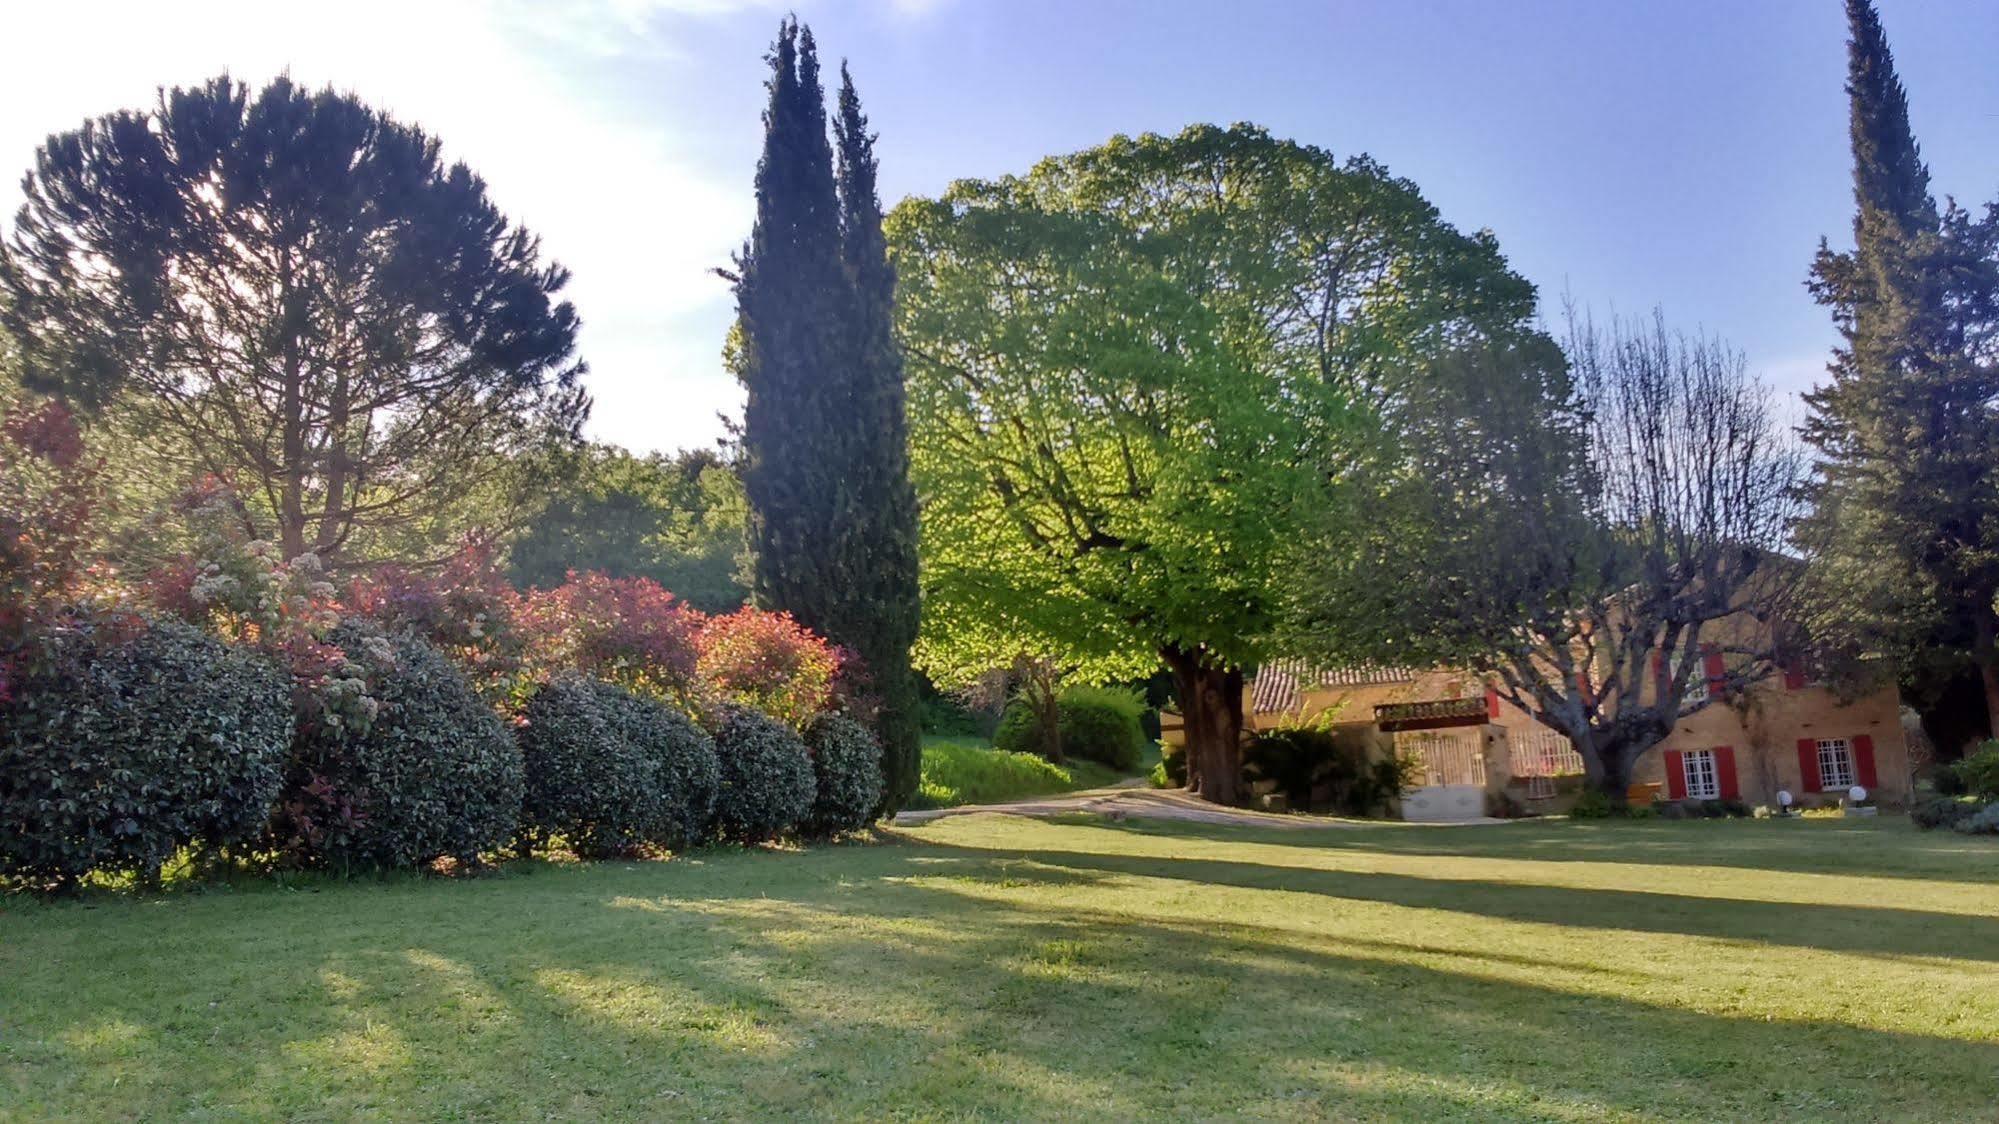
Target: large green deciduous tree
{"points": [[304, 299], [832, 517], [1905, 526], [1134, 369]]}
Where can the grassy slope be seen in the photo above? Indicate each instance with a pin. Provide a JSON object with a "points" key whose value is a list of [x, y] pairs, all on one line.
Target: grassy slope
{"points": [[970, 771], [999, 968]]}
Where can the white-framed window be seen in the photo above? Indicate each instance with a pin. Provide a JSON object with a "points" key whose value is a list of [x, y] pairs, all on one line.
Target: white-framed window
{"points": [[1835, 764], [1703, 783]]}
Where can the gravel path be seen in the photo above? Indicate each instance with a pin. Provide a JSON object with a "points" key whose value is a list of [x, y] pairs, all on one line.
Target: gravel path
{"points": [[1131, 798]]}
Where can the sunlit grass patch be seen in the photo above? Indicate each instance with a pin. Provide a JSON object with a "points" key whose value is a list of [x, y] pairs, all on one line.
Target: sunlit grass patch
{"points": [[958, 771], [995, 967]]}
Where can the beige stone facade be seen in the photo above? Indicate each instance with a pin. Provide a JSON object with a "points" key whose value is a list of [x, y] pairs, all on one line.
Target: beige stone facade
{"points": [[1781, 734]]}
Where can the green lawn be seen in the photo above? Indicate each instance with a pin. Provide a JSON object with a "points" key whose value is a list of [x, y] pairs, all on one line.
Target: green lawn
{"points": [[970, 771], [996, 968]]}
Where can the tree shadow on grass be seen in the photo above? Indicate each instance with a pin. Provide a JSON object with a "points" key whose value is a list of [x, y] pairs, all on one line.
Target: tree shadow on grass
{"points": [[912, 980], [1874, 929], [1820, 846]]}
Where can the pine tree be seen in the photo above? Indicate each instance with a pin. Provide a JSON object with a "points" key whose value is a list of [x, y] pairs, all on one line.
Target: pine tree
{"points": [[1906, 515], [831, 513]]}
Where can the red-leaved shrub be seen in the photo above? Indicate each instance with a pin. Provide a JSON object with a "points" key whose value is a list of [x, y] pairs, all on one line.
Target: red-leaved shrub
{"points": [[768, 661], [464, 608], [628, 631], [50, 490]]}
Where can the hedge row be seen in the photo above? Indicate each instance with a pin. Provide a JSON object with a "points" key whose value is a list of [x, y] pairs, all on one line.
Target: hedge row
{"points": [[128, 743]]}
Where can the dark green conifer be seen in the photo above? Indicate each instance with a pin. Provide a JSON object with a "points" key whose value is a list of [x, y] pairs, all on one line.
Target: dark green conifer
{"points": [[1905, 508], [831, 514]]}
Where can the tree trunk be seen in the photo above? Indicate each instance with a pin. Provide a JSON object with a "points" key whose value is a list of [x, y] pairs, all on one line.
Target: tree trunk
{"points": [[1985, 628], [1211, 713], [1614, 774], [1607, 769]]}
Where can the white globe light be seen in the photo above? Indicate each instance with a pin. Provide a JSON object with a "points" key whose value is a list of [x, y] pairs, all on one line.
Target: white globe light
{"points": [[1784, 797], [1857, 793]]}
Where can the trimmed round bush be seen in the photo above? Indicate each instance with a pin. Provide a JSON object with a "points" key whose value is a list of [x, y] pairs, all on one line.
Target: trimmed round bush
{"points": [[1098, 724], [847, 767], [1101, 724], [434, 774], [767, 785], [680, 760], [585, 780], [120, 748]]}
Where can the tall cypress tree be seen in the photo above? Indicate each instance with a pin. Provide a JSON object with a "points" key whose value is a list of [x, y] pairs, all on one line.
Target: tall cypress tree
{"points": [[881, 516], [1906, 512], [831, 514]]}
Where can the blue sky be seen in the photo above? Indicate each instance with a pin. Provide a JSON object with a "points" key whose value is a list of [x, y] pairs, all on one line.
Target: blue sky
{"points": [[1687, 154]]}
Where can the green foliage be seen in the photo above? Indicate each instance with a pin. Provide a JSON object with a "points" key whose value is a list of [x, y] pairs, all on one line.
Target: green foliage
{"points": [[434, 774], [610, 771], [675, 519], [767, 787], [1019, 731], [1943, 811], [959, 771], [1126, 391], [1097, 723], [1113, 456], [1593, 804], [118, 750], [832, 516], [1102, 724], [1171, 772], [847, 768], [686, 774], [1978, 772], [1903, 507], [1983, 821], [303, 295], [1302, 760], [1297, 760], [943, 717]]}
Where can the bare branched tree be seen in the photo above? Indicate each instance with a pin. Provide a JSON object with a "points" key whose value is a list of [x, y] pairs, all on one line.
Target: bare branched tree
{"points": [[1605, 543]]}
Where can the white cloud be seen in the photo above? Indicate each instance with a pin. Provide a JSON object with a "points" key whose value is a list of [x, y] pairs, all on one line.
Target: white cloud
{"points": [[509, 88]]}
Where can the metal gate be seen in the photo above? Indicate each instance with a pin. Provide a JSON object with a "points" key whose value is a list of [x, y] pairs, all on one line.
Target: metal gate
{"points": [[1453, 762], [1449, 757]]}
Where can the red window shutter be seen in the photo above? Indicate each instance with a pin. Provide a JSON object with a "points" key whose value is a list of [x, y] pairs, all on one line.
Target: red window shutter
{"points": [[1715, 670], [1652, 659], [1863, 761], [1794, 674], [1676, 775], [1808, 764], [1582, 688], [1724, 772], [1492, 702]]}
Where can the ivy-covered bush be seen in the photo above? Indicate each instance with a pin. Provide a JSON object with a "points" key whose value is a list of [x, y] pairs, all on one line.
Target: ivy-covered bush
{"points": [[1097, 723], [847, 768], [433, 773], [585, 779], [128, 740], [680, 756], [767, 787]]}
